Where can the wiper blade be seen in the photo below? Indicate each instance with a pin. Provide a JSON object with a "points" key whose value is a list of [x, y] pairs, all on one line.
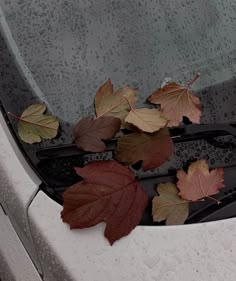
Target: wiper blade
{"points": [[180, 134], [203, 131]]}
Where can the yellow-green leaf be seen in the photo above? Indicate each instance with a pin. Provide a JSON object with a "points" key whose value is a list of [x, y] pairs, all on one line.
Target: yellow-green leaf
{"points": [[34, 125], [169, 205]]}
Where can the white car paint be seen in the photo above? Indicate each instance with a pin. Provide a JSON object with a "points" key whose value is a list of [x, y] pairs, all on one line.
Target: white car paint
{"points": [[15, 263], [17, 187], [191, 252]]}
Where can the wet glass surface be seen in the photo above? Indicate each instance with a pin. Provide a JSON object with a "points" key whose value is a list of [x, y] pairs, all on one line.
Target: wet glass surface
{"points": [[72, 47]]}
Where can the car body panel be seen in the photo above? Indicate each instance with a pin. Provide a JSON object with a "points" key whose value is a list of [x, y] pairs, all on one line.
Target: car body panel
{"points": [[15, 263], [18, 186], [194, 252]]}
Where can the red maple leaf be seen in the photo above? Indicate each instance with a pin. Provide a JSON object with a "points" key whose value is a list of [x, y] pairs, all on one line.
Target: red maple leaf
{"points": [[109, 193]]}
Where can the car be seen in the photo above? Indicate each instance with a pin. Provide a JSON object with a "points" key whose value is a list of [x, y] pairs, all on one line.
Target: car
{"points": [[59, 53]]}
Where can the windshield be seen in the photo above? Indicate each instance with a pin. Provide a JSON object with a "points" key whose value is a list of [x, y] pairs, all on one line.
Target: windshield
{"points": [[72, 47]]}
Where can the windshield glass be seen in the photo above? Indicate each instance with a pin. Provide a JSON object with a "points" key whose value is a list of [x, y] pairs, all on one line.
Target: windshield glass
{"points": [[72, 47]]}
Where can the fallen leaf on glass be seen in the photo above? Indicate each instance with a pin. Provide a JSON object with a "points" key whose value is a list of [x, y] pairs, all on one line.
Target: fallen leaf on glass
{"points": [[169, 205], [108, 103], [109, 193], [146, 119], [199, 182], [34, 125], [89, 133], [153, 149], [177, 101]]}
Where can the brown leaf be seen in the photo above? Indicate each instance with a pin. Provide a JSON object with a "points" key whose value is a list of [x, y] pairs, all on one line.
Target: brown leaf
{"points": [[109, 193], [169, 206], [115, 104], [177, 101], [146, 119], [89, 132], [199, 182], [153, 149]]}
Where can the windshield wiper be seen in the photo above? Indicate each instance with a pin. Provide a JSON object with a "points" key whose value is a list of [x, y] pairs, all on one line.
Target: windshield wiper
{"points": [[180, 134]]}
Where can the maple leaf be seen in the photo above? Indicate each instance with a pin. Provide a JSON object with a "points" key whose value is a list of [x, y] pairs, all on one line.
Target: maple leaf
{"points": [[200, 182], [109, 193], [177, 101], [89, 132], [34, 125], [146, 119], [153, 149], [108, 103], [169, 205]]}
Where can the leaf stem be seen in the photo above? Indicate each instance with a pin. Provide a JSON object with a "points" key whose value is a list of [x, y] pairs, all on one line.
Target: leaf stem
{"points": [[194, 79], [130, 105], [214, 199], [15, 116], [30, 122]]}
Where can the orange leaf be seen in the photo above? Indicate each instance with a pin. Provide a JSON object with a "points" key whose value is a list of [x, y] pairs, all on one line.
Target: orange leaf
{"points": [[146, 119], [177, 101], [200, 182]]}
